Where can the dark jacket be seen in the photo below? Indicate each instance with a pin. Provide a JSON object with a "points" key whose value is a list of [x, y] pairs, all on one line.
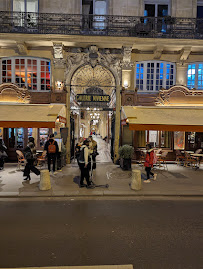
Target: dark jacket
{"points": [[50, 141], [30, 152]]}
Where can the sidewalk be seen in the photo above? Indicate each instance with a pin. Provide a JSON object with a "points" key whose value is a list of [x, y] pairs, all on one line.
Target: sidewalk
{"points": [[177, 181]]}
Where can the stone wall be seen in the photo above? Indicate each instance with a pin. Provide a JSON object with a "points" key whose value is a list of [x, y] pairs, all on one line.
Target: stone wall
{"points": [[126, 8], [62, 6], [184, 8]]}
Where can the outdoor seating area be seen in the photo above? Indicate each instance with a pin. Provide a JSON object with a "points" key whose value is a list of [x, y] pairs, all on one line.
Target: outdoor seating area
{"points": [[191, 159], [41, 161], [188, 159]]}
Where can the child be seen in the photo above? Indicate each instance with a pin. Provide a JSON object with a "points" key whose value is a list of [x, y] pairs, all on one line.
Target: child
{"points": [[149, 163]]}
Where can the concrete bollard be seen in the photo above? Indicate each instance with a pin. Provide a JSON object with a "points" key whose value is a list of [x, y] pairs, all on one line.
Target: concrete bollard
{"points": [[45, 183], [136, 183]]}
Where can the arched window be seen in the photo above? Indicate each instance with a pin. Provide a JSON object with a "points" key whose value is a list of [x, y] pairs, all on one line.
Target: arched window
{"points": [[195, 76], [153, 75], [29, 72]]}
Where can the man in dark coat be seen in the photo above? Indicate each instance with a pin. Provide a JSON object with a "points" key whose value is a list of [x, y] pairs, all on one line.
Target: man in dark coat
{"points": [[52, 150]]}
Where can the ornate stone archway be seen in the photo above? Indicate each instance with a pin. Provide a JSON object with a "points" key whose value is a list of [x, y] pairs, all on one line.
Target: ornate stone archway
{"points": [[94, 59]]}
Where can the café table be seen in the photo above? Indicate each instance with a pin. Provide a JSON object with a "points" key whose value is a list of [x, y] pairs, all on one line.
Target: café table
{"points": [[199, 156], [187, 151]]}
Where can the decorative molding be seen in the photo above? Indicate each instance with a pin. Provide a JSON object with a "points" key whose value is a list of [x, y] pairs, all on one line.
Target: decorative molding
{"points": [[164, 95], [184, 54], [9, 92], [158, 52], [126, 63], [21, 48], [94, 57], [58, 50]]}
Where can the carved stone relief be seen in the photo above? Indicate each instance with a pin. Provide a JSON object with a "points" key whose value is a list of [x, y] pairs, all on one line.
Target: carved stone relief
{"points": [[12, 93]]}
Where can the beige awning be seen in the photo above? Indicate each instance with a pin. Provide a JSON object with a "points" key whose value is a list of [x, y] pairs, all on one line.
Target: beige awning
{"points": [[164, 118], [30, 115]]}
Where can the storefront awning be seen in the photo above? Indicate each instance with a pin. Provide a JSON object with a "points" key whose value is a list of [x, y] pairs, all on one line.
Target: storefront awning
{"points": [[29, 115], [188, 119]]}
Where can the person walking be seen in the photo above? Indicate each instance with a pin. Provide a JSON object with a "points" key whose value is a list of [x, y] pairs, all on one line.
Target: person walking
{"points": [[3, 153], [84, 165], [30, 156], [52, 149], [149, 161]]}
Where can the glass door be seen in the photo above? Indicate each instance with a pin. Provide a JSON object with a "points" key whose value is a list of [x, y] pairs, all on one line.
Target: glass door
{"points": [[19, 138], [100, 8]]}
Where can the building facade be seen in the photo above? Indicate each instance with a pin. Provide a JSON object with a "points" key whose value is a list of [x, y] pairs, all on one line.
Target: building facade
{"points": [[127, 51]]}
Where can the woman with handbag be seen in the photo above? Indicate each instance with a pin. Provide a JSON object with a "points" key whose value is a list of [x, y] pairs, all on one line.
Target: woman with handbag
{"points": [[30, 156], [3, 154]]}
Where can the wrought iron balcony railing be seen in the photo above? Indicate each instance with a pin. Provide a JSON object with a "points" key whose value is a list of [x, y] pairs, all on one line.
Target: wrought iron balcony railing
{"points": [[110, 25]]}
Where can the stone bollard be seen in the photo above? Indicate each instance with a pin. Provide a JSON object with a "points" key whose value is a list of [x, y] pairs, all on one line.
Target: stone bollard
{"points": [[45, 183], [136, 183]]}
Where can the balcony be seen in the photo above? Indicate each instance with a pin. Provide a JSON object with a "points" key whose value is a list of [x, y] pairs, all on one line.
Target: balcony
{"points": [[97, 25]]}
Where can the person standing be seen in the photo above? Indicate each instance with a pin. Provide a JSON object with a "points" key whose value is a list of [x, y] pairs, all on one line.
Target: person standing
{"points": [[93, 150], [84, 165], [149, 161], [3, 154], [30, 156], [78, 148], [52, 149]]}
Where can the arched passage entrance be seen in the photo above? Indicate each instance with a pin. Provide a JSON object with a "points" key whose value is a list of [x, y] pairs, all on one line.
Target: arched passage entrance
{"points": [[93, 97]]}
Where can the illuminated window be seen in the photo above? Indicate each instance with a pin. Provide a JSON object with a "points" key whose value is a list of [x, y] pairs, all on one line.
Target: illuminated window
{"points": [[195, 76], [154, 75], [32, 73]]}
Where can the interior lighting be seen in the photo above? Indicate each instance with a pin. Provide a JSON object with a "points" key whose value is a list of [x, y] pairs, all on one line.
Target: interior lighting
{"points": [[125, 84]]}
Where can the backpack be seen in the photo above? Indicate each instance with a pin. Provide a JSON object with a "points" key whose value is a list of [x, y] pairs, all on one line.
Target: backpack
{"points": [[52, 148], [155, 158]]}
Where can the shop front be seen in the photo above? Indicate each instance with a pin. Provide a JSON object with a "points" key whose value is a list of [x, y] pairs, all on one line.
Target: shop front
{"points": [[18, 122], [174, 123]]}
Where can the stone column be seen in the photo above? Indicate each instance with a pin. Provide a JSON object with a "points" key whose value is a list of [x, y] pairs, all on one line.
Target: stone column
{"points": [[117, 122], [181, 74], [68, 153]]}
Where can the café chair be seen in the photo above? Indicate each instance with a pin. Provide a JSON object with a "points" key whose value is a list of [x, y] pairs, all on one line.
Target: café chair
{"points": [[161, 161], [21, 159], [41, 159], [180, 158], [190, 161]]}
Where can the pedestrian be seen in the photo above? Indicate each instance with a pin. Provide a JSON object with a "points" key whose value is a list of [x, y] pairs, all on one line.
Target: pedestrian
{"points": [[78, 148], [93, 150], [84, 163], [3, 153], [52, 150], [30, 156], [149, 161]]}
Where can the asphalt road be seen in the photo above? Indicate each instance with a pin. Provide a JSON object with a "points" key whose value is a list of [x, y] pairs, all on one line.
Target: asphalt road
{"points": [[146, 233]]}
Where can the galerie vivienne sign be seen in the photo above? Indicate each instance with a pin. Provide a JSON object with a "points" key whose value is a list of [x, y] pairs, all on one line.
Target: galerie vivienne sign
{"points": [[92, 98]]}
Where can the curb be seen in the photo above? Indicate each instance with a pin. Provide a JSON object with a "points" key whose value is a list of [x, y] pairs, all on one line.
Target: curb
{"points": [[104, 196]]}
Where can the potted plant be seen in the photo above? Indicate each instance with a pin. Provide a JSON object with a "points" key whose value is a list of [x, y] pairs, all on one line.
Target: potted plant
{"points": [[126, 152]]}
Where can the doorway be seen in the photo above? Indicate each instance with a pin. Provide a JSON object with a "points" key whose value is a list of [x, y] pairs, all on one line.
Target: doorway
{"points": [[93, 100]]}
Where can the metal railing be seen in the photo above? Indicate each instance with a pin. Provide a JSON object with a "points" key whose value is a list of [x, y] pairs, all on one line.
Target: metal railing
{"points": [[108, 25]]}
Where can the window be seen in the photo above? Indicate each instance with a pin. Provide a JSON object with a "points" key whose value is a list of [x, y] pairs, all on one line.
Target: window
{"points": [[156, 8], [154, 75], [33, 73], [25, 5], [195, 76], [157, 139]]}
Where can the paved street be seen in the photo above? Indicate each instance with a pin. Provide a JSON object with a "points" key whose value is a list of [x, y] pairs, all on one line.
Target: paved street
{"points": [[146, 233]]}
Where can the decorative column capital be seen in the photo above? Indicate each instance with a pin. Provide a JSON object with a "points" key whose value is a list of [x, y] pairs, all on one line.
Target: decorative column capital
{"points": [[126, 63]]}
